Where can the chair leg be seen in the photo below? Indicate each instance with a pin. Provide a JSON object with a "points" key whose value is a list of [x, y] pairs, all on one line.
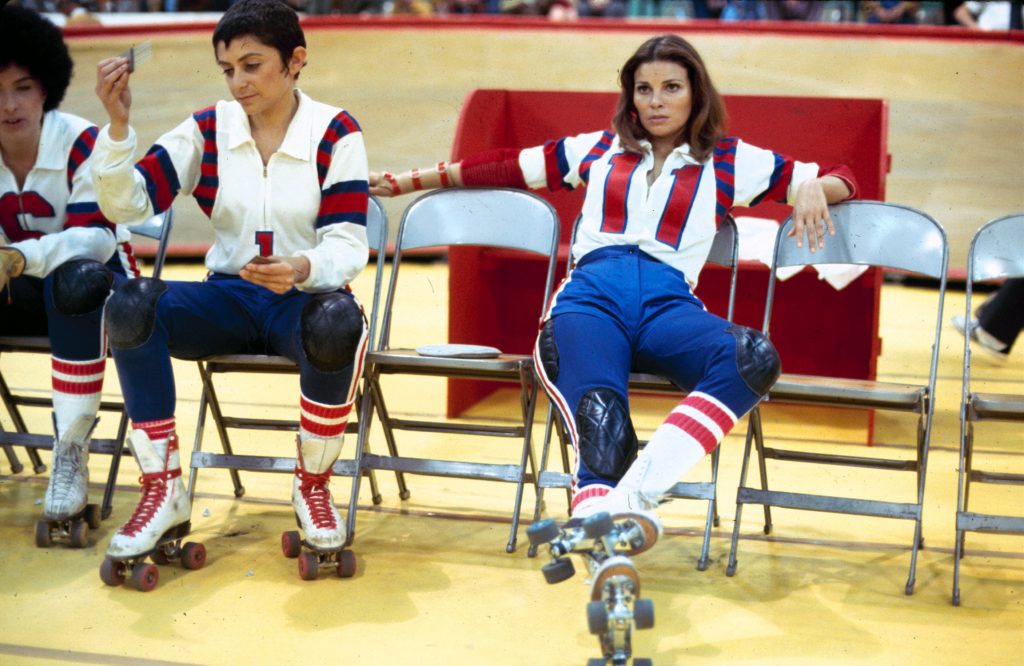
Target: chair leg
{"points": [[19, 426], [730, 568], [115, 465], [12, 459], [528, 391], [924, 434], [210, 398], [755, 420], [712, 517], [963, 486], [538, 506], [389, 434]]}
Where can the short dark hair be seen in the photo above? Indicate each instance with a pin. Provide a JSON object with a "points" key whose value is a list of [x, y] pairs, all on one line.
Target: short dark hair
{"points": [[29, 40], [271, 22], [707, 121]]}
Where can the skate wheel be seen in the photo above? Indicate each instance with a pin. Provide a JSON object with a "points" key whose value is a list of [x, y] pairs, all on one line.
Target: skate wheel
{"points": [[643, 662], [542, 532], [309, 565], [112, 572], [93, 516], [596, 661], [43, 539], [643, 614], [597, 525], [193, 555], [291, 544], [160, 556], [79, 534], [558, 570], [597, 617], [144, 576], [346, 564]]}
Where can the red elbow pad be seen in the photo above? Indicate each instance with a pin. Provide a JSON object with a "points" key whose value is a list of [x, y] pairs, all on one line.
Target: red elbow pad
{"points": [[493, 168]]}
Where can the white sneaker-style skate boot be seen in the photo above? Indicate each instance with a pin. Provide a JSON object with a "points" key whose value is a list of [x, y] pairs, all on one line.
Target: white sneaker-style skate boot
{"points": [[164, 504], [321, 525], [68, 491]]}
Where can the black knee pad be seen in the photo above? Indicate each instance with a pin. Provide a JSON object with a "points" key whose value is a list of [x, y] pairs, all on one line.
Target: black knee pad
{"points": [[81, 286], [331, 327], [608, 441], [547, 350], [756, 359], [131, 312]]}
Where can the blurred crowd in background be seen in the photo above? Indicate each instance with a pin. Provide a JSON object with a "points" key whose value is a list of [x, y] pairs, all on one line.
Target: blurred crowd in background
{"points": [[1004, 15]]}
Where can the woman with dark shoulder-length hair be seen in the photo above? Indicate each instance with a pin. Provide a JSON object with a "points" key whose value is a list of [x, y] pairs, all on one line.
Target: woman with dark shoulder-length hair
{"points": [[59, 256], [283, 179], [657, 188]]}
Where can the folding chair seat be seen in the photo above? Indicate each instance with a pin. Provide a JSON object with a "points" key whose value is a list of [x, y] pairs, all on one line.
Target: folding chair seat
{"points": [[227, 364], [157, 228], [874, 234], [997, 251], [724, 252], [497, 218]]}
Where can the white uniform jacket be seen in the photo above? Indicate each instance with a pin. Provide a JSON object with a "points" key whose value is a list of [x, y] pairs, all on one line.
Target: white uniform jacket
{"points": [[54, 217], [310, 198], [675, 218]]}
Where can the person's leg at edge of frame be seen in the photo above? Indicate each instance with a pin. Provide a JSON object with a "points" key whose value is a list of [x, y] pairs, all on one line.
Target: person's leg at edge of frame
{"points": [[74, 295]]}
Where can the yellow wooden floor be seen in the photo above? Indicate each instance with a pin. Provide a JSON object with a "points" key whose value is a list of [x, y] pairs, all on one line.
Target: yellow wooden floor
{"points": [[435, 586]]}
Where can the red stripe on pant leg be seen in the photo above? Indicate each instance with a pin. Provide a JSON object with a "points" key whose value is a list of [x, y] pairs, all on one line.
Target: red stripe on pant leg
{"points": [[694, 429]]}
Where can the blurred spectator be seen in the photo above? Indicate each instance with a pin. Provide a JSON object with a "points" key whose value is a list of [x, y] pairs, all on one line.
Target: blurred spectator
{"points": [[990, 15], [444, 7], [793, 10], [729, 10], [412, 8], [553, 9], [602, 8], [889, 11]]}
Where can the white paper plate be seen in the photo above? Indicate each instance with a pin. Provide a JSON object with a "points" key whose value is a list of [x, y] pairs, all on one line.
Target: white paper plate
{"points": [[459, 351]]}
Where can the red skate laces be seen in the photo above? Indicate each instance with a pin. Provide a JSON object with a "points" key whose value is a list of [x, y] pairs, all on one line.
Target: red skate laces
{"points": [[154, 490], [317, 497]]}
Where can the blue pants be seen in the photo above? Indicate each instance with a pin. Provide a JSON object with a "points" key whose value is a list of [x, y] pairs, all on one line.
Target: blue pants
{"points": [[223, 315], [621, 310]]}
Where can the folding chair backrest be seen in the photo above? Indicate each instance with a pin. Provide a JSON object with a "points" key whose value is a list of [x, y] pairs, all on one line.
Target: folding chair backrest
{"points": [[872, 233], [377, 238], [158, 228], [997, 250], [492, 217]]}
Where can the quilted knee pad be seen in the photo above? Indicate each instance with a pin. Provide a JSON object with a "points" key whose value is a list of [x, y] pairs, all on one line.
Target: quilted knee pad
{"points": [[131, 312], [608, 443], [331, 326], [81, 286], [757, 360]]}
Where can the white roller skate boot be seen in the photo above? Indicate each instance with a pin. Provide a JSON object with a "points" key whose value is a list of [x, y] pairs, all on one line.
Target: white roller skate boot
{"points": [[315, 513], [164, 509], [68, 491]]}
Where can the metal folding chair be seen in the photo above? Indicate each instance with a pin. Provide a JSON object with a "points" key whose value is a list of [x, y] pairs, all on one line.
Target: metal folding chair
{"points": [[724, 252], [498, 218], [997, 251], [867, 233], [377, 237], [157, 228]]}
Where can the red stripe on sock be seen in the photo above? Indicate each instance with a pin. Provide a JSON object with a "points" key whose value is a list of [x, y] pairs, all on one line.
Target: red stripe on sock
{"points": [[712, 411], [161, 429], [695, 429], [78, 369], [587, 493], [324, 411], [77, 388]]}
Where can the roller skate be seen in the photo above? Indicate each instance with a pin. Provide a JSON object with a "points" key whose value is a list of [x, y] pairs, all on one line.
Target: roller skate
{"points": [[67, 515], [320, 541], [605, 543], [160, 522], [614, 610]]}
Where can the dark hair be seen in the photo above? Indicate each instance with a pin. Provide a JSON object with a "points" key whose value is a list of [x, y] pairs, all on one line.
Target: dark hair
{"points": [[271, 22], [707, 117], [29, 40]]}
